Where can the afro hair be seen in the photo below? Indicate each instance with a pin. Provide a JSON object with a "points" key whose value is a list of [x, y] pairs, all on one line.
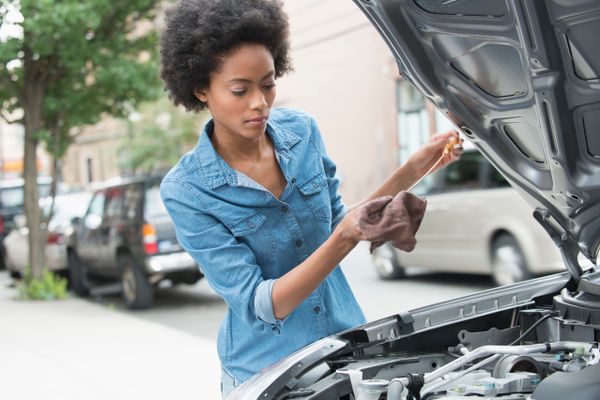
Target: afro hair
{"points": [[200, 32]]}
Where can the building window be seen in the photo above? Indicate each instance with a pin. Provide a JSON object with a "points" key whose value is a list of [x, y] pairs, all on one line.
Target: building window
{"points": [[413, 120]]}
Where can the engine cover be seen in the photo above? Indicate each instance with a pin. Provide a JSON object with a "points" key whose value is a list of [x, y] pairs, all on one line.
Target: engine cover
{"points": [[562, 385]]}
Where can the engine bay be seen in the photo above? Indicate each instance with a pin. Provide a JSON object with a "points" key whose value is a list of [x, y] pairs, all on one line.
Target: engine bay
{"points": [[543, 349]]}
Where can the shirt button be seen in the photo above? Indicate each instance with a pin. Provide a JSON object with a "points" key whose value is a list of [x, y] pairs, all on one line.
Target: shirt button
{"points": [[293, 179], [298, 242], [285, 209], [317, 309]]}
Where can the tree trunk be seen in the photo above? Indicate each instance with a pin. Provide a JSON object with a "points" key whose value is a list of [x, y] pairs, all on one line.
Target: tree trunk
{"points": [[32, 209], [55, 174], [34, 94]]}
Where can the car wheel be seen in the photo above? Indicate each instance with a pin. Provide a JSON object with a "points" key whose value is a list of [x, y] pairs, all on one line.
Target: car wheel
{"points": [[508, 262], [15, 275], [78, 279], [386, 263], [138, 293], [3, 263]]}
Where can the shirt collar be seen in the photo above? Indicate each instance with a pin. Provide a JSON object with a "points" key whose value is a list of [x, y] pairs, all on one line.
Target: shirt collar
{"points": [[217, 172]]}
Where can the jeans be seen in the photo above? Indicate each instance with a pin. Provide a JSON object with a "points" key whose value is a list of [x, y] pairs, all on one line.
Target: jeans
{"points": [[228, 383]]}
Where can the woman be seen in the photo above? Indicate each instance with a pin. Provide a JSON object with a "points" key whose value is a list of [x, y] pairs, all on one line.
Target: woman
{"points": [[256, 202]]}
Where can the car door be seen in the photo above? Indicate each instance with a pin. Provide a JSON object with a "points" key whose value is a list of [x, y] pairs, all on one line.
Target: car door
{"points": [[109, 230], [87, 234]]}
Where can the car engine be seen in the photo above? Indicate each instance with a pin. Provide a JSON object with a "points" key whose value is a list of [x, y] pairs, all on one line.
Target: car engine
{"points": [[537, 340], [551, 353]]}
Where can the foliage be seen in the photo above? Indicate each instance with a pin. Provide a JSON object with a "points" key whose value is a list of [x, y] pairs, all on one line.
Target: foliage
{"points": [[68, 63], [156, 140], [96, 57], [49, 287]]}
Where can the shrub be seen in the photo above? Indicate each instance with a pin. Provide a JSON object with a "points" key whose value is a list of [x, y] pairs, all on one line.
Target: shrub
{"points": [[49, 287]]}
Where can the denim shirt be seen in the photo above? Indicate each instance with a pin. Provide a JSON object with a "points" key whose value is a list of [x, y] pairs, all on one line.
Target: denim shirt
{"points": [[244, 238]]}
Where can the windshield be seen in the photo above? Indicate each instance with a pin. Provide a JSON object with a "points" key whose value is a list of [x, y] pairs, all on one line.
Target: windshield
{"points": [[11, 197], [66, 207], [15, 196]]}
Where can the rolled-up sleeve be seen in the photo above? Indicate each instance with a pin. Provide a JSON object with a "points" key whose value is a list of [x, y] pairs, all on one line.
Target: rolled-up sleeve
{"points": [[338, 208], [229, 266], [263, 306]]}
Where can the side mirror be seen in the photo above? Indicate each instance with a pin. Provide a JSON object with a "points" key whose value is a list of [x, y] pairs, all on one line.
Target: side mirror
{"points": [[75, 221], [20, 221]]}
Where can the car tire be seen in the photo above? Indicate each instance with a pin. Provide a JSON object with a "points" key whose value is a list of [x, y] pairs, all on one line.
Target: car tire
{"points": [[138, 293], [3, 263], [508, 262], [386, 263], [78, 278]]}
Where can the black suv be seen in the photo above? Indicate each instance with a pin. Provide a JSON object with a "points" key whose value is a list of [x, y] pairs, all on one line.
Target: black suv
{"points": [[126, 235]]}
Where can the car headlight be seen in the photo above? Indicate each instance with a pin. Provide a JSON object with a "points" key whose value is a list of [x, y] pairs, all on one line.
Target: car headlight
{"points": [[289, 367]]}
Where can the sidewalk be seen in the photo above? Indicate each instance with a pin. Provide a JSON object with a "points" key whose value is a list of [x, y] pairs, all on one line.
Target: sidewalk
{"points": [[75, 349]]}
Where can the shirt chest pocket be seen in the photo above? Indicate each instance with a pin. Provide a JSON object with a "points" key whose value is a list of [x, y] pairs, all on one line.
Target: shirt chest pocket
{"points": [[253, 231], [316, 195]]}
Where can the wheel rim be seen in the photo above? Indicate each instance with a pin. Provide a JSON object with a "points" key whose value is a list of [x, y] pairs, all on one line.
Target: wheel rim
{"points": [[383, 261], [129, 285], [508, 265]]}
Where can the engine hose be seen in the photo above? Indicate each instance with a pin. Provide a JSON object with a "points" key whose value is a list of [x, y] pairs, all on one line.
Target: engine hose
{"points": [[484, 351]]}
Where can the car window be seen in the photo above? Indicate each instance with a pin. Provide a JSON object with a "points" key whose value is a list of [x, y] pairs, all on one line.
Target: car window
{"points": [[44, 189], [132, 201], [11, 197], [463, 174], [114, 202], [66, 207], [153, 205], [94, 214], [496, 179], [15, 196]]}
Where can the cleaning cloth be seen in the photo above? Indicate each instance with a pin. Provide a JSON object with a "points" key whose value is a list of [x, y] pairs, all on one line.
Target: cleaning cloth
{"points": [[392, 219]]}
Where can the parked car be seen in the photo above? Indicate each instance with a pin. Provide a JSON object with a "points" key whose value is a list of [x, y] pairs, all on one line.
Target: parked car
{"points": [[475, 223], [522, 80], [12, 198], [127, 236], [66, 207]]}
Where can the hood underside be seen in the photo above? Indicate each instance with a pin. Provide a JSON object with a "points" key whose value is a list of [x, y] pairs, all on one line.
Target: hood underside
{"points": [[521, 79]]}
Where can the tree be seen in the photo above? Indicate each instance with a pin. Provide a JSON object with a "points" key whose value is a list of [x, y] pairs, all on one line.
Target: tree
{"points": [[66, 64], [157, 136]]}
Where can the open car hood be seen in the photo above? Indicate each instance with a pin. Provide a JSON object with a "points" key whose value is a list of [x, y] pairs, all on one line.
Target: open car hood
{"points": [[521, 79]]}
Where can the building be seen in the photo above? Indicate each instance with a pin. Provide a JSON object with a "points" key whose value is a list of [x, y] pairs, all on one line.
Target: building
{"points": [[346, 77], [94, 154]]}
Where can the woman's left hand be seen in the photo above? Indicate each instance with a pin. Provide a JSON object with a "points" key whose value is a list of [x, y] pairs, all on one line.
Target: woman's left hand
{"points": [[424, 158]]}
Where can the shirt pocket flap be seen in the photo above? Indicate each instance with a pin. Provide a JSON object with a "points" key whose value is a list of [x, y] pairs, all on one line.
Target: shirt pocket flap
{"points": [[248, 225], [313, 185]]}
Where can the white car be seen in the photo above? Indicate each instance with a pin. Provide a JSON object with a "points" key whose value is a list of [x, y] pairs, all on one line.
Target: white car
{"points": [[66, 207], [475, 223]]}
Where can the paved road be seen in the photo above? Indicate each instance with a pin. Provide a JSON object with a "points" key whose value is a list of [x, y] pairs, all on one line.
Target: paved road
{"points": [[198, 310]]}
